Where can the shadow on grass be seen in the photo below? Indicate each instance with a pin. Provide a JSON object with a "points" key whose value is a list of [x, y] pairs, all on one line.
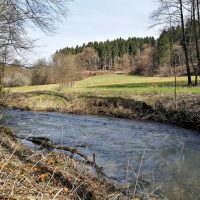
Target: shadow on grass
{"points": [[140, 85]]}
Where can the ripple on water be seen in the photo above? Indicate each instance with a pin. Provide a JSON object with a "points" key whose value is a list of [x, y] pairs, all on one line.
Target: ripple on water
{"points": [[172, 154]]}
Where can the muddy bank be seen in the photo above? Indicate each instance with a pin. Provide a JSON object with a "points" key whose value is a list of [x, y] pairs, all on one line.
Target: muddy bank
{"points": [[185, 114]]}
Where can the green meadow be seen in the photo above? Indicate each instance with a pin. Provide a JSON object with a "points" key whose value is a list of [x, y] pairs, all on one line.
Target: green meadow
{"points": [[114, 84]]}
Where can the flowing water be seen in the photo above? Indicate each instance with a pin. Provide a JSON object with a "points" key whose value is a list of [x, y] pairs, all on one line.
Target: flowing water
{"points": [[166, 156]]}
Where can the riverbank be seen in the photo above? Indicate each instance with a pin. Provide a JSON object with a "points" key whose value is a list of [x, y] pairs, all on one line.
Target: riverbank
{"points": [[115, 95], [28, 174], [161, 107]]}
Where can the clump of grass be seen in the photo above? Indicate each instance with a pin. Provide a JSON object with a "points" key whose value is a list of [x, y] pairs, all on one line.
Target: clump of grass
{"points": [[45, 102]]}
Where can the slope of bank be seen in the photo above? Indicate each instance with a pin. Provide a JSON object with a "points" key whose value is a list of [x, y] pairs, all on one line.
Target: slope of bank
{"points": [[185, 112]]}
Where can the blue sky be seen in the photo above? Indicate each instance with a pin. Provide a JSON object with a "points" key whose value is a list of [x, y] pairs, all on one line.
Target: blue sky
{"points": [[96, 20]]}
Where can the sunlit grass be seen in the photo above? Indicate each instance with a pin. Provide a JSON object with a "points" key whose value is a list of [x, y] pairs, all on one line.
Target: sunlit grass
{"points": [[51, 87], [124, 79], [115, 84]]}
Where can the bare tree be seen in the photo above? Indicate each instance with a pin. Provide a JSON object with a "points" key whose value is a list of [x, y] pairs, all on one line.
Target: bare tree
{"points": [[194, 33], [171, 13], [184, 42], [88, 59], [198, 17], [144, 62], [18, 15], [198, 32], [66, 70]]}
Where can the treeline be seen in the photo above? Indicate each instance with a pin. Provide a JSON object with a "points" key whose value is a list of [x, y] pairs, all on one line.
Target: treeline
{"points": [[143, 56], [110, 54]]}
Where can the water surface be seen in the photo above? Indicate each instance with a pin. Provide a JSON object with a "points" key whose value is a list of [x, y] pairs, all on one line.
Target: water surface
{"points": [[169, 156]]}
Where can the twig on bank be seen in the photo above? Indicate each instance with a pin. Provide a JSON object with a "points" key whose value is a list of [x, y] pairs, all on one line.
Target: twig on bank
{"points": [[137, 179]]}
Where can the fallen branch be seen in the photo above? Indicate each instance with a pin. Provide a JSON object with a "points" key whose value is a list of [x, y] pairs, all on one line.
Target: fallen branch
{"points": [[47, 143]]}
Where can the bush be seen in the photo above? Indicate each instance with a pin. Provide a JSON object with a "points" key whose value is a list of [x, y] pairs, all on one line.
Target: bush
{"points": [[145, 61], [16, 79]]}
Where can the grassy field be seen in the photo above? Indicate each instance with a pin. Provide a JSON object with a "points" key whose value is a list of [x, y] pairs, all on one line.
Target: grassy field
{"points": [[114, 84]]}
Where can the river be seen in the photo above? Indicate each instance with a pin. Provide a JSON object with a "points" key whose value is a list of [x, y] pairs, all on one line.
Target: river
{"points": [[164, 155]]}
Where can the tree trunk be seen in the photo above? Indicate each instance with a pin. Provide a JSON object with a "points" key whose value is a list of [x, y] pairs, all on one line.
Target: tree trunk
{"points": [[196, 38], [198, 16], [184, 44]]}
